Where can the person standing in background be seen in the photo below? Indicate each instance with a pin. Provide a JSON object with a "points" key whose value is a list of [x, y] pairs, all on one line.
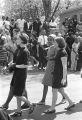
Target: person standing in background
{"points": [[42, 44]]}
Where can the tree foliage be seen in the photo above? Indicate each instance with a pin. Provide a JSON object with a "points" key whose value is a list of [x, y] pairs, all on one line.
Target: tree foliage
{"points": [[23, 8], [34, 8]]}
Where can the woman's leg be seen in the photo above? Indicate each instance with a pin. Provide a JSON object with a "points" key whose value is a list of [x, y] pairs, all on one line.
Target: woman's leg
{"points": [[24, 99], [25, 93], [19, 99], [63, 98], [45, 90], [66, 96], [18, 104], [54, 98], [9, 98]]}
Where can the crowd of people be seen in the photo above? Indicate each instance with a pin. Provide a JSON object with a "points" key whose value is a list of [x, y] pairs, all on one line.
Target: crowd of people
{"points": [[21, 41]]}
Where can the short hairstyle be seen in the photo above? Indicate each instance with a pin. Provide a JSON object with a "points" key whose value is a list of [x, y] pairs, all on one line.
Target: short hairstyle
{"points": [[61, 42], [53, 36]]}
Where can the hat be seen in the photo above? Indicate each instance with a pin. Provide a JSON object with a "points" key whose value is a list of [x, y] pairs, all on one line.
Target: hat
{"points": [[61, 42], [24, 37]]}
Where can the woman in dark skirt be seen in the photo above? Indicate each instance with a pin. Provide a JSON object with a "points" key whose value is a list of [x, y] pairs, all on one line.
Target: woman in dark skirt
{"points": [[19, 66], [60, 75]]}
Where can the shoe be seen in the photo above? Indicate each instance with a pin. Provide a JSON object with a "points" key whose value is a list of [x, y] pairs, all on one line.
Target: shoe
{"points": [[69, 107], [4, 107], [24, 106], [41, 103], [80, 101], [16, 114], [31, 108], [49, 111]]}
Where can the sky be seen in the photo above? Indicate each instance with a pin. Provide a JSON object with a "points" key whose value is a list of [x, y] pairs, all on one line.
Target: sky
{"points": [[2, 3], [1, 6]]}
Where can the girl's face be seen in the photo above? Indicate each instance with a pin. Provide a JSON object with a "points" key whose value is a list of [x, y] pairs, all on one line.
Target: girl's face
{"points": [[50, 41], [18, 41]]}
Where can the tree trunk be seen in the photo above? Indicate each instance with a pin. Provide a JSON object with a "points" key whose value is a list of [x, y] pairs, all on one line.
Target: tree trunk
{"points": [[47, 8], [54, 11]]}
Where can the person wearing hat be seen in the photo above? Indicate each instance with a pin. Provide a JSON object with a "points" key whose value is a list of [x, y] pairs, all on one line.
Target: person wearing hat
{"points": [[19, 68], [59, 75]]}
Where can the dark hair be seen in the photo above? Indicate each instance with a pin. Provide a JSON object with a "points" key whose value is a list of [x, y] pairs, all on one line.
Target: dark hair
{"points": [[24, 37], [61, 42], [7, 18], [12, 19]]}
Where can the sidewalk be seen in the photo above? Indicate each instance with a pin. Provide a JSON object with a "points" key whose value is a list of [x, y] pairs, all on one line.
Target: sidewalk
{"points": [[34, 88]]}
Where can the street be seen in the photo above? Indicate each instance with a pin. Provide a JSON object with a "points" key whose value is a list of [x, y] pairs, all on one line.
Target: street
{"points": [[35, 88]]}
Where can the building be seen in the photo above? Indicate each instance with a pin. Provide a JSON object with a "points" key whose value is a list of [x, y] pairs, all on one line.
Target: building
{"points": [[75, 12]]}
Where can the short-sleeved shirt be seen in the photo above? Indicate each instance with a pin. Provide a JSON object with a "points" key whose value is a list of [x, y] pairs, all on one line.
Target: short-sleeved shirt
{"points": [[43, 40]]}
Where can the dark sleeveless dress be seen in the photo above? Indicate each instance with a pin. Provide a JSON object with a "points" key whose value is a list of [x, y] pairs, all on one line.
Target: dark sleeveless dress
{"points": [[58, 70], [20, 74]]}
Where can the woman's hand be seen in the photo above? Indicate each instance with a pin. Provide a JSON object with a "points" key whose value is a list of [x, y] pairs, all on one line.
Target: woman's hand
{"points": [[11, 67], [63, 82]]}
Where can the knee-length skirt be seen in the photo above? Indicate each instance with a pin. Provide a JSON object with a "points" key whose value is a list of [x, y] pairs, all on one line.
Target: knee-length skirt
{"points": [[18, 81], [48, 76]]}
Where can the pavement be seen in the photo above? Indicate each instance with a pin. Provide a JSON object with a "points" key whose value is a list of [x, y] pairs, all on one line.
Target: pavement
{"points": [[35, 88]]}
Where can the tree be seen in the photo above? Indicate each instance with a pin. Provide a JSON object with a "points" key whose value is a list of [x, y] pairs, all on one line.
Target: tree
{"points": [[47, 9], [23, 8]]}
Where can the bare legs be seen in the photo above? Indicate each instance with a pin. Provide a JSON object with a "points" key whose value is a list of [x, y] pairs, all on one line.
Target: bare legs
{"points": [[19, 99], [10, 96], [54, 97], [45, 90]]}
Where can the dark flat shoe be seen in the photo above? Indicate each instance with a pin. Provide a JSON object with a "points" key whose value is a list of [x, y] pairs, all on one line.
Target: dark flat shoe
{"points": [[31, 108], [4, 107], [68, 108], [41, 103], [24, 106], [49, 111], [81, 101], [16, 114]]}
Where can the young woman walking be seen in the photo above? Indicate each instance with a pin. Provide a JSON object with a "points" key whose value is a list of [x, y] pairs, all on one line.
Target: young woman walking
{"points": [[19, 66], [60, 75]]}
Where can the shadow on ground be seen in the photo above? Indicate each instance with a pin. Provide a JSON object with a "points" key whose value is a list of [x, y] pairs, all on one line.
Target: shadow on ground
{"points": [[38, 113]]}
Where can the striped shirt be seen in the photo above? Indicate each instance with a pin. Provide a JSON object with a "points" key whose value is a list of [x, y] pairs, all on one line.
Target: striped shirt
{"points": [[3, 54]]}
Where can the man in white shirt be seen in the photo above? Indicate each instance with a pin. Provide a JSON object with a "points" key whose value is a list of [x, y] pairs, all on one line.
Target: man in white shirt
{"points": [[20, 24], [42, 41]]}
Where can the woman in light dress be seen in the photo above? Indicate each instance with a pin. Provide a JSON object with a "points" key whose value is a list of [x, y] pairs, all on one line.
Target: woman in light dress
{"points": [[59, 76], [48, 76]]}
